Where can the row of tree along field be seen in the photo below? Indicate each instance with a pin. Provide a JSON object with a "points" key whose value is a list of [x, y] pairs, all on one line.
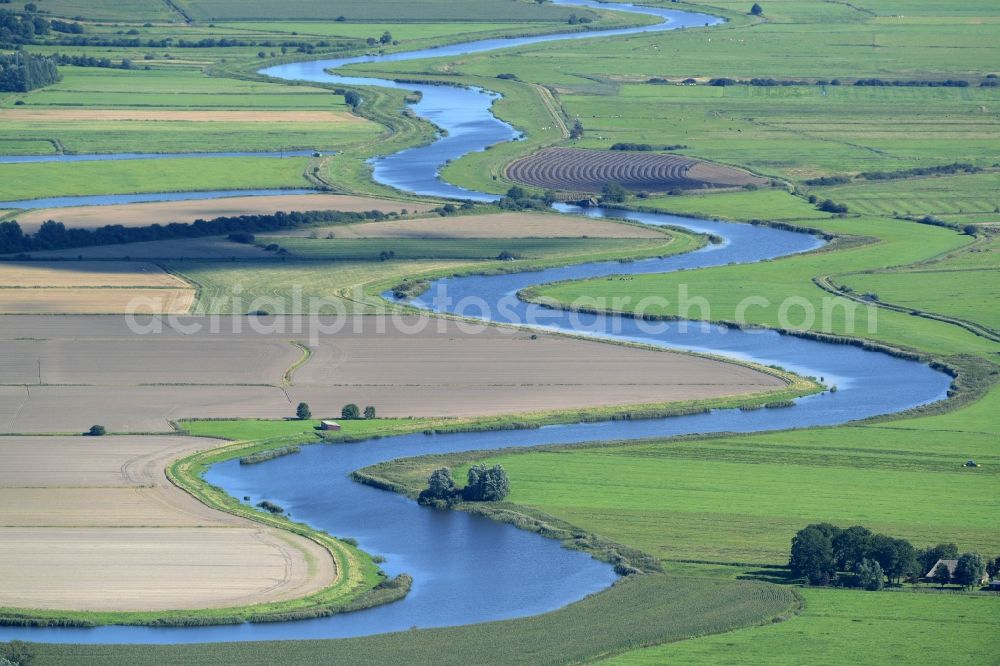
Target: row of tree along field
{"points": [[824, 554], [53, 235]]}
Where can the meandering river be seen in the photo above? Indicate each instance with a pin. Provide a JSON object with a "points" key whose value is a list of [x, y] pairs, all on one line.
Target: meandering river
{"points": [[450, 553]]}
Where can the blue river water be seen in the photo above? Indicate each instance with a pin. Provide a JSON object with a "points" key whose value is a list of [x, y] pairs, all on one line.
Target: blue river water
{"points": [[449, 553]]}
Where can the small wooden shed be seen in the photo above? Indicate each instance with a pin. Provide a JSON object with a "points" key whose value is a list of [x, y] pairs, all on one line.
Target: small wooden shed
{"points": [[329, 425]]}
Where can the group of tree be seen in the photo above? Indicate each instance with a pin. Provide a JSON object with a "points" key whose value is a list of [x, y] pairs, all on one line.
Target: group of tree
{"points": [[613, 192], [940, 170], [91, 61], [830, 206], [825, 554], [518, 198], [351, 412], [53, 235], [21, 72], [645, 147], [483, 484], [914, 83], [760, 82], [384, 40], [576, 132], [21, 27]]}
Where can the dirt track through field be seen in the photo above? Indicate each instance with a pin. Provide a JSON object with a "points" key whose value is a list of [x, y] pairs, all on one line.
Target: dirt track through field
{"points": [[93, 524]]}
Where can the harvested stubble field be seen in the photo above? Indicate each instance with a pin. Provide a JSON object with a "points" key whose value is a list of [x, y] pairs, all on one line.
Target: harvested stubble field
{"points": [[95, 301], [94, 524], [90, 288], [438, 371], [499, 225], [86, 274], [576, 170], [165, 212]]}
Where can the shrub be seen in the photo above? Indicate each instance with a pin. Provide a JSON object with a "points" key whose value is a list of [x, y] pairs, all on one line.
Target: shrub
{"points": [[270, 507], [96, 431]]}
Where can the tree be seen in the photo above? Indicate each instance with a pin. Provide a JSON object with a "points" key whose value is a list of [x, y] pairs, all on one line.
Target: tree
{"points": [[897, 557], [486, 484], [576, 132], [969, 570], [812, 555], [870, 575], [851, 547], [516, 193], [613, 192], [941, 575], [96, 431], [369, 412], [993, 567], [303, 411], [350, 412], [440, 489], [757, 10], [928, 556], [352, 99], [386, 37]]}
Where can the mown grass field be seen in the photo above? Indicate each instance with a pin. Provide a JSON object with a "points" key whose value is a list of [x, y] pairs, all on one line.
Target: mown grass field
{"points": [[973, 196]]}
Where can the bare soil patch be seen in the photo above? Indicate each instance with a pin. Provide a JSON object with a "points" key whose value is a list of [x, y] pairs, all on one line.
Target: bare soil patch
{"points": [[94, 300], [173, 115], [94, 524], [165, 212], [500, 225], [441, 370], [577, 170]]}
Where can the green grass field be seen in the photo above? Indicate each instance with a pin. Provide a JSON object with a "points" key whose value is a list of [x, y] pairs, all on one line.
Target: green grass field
{"points": [[892, 628], [725, 288], [31, 181], [376, 10], [480, 248], [971, 295], [249, 429]]}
